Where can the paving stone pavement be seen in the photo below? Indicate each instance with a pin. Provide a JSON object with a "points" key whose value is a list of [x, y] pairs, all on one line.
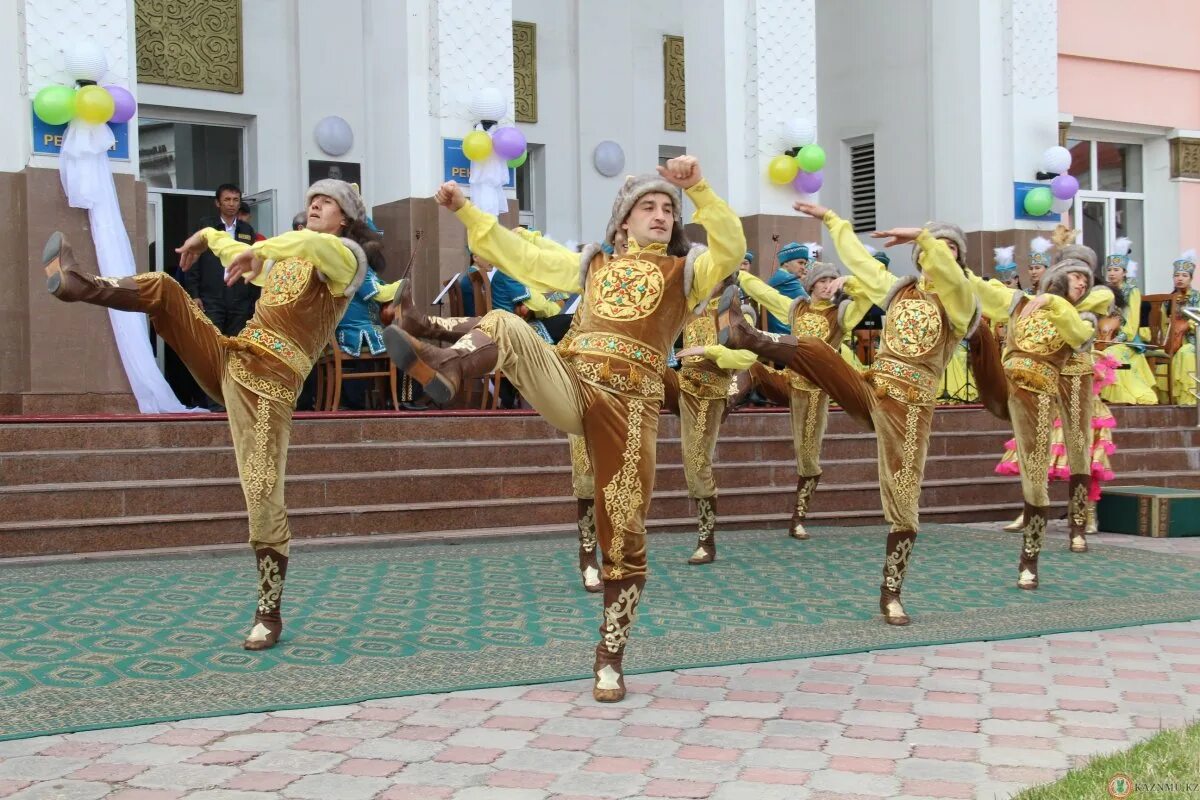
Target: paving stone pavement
{"points": [[975, 720]]}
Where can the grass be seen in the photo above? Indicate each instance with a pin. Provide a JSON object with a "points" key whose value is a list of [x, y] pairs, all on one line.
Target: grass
{"points": [[1164, 767]]}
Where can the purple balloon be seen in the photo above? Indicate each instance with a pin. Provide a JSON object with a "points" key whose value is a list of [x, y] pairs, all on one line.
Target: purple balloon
{"points": [[809, 182], [1064, 187], [124, 105], [508, 142]]}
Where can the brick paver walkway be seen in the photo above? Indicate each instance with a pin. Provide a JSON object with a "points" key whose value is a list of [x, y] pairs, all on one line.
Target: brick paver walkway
{"points": [[980, 720]]}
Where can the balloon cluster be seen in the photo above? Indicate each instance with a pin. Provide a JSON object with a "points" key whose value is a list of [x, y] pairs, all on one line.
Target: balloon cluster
{"points": [[1058, 196], [506, 141], [93, 104], [801, 165]]}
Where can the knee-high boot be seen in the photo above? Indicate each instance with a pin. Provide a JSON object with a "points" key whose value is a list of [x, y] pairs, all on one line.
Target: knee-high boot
{"points": [[805, 486], [706, 545], [1077, 511], [589, 564], [268, 619], [1031, 546], [621, 597], [403, 312], [900, 545], [65, 281], [441, 370]]}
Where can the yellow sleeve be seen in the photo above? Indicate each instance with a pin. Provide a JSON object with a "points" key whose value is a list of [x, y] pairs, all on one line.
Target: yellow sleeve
{"points": [[873, 283], [224, 246], [725, 358], [780, 305], [1098, 301], [860, 304], [1071, 327], [326, 252], [542, 242], [994, 297], [949, 281], [542, 269], [387, 292], [541, 306], [726, 242], [1133, 316]]}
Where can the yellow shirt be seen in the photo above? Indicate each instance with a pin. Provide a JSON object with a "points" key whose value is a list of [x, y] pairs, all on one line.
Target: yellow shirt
{"points": [[325, 251], [997, 301]]}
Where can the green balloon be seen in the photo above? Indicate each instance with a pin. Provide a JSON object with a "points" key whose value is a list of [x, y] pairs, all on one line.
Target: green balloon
{"points": [[55, 105], [811, 158], [519, 160], [1039, 201]]}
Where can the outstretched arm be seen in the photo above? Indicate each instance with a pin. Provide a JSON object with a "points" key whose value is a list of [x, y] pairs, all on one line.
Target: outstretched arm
{"points": [[873, 283], [939, 266], [995, 298], [774, 301]]}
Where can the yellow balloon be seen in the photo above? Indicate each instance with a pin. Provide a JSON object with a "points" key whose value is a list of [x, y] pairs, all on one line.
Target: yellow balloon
{"points": [[477, 146], [782, 169], [93, 104]]}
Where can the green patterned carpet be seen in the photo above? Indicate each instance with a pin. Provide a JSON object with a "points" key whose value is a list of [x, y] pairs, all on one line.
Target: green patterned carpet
{"points": [[94, 645]]}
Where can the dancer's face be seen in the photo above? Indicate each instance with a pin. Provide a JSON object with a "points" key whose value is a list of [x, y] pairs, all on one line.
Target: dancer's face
{"points": [[652, 219], [325, 215], [1114, 275], [823, 289], [1077, 286], [1036, 271], [1183, 281]]}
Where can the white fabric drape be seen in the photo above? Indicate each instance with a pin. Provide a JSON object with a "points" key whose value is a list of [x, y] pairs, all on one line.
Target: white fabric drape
{"points": [[87, 180], [487, 184]]}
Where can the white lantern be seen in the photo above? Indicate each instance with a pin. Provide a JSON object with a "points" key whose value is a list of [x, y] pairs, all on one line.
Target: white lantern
{"points": [[1056, 159], [488, 103], [609, 158], [334, 136], [86, 61], [799, 132]]}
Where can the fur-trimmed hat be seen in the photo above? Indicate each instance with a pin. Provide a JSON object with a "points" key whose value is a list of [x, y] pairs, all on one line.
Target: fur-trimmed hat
{"points": [[1119, 257], [1186, 263], [634, 189], [342, 193], [816, 271], [1054, 279], [793, 251], [951, 233], [1039, 252], [1005, 266]]}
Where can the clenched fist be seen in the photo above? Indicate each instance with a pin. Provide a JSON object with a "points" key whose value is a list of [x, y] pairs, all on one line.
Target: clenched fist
{"points": [[450, 196]]}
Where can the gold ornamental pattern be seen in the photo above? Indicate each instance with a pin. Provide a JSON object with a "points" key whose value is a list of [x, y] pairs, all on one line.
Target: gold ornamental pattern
{"points": [[286, 281], [1037, 333], [627, 289], [912, 327], [192, 45], [809, 324]]}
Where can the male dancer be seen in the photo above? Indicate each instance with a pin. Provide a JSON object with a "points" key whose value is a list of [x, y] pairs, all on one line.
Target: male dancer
{"points": [[609, 385], [926, 318], [307, 279]]}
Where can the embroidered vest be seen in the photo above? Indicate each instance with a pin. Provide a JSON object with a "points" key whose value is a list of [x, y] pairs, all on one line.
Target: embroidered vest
{"points": [[1035, 353], [819, 323], [699, 376], [916, 344]]}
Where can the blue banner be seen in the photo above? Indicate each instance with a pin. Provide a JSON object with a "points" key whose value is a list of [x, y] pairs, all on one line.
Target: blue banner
{"points": [[458, 166], [1020, 189], [47, 139]]}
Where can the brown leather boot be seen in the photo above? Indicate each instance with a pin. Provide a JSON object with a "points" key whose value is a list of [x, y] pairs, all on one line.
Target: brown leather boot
{"points": [[706, 546], [899, 550], [737, 334], [268, 621], [1031, 546], [1077, 511], [621, 598], [441, 329], [589, 564], [67, 283], [805, 486], [441, 370]]}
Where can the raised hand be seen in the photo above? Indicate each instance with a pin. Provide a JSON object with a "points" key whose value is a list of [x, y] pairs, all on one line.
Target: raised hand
{"points": [[897, 236], [811, 209], [682, 171], [1035, 304], [450, 196], [190, 250], [245, 264]]}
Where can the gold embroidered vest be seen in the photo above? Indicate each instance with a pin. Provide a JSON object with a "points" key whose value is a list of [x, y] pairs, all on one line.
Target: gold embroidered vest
{"points": [[1035, 353], [915, 347], [820, 323], [700, 376]]}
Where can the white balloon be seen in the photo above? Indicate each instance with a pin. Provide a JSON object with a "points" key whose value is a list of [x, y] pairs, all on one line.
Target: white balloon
{"points": [[86, 61], [1056, 159], [609, 158], [799, 132], [1062, 206], [488, 103], [334, 136]]}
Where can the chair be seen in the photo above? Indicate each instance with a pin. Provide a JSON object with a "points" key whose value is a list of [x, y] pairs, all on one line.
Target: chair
{"points": [[866, 341], [331, 372], [1156, 309], [481, 291]]}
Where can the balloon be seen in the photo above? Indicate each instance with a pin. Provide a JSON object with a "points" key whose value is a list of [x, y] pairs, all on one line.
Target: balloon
{"points": [[519, 160], [608, 158], [782, 169], [808, 182], [94, 105], [477, 146], [124, 106], [508, 141], [1060, 206], [811, 158], [1064, 187], [1056, 159], [55, 105], [1038, 202], [799, 132]]}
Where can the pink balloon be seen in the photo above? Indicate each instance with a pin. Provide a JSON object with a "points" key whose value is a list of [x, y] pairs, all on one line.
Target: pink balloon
{"points": [[1064, 187], [809, 182], [124, 105], [508, 142]]}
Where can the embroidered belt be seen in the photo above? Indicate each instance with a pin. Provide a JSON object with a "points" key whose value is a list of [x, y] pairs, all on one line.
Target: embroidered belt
{"points": [[1078, 364], [258, 385], [613, 345], [918, 379], [282, 348], [703, 383], [900, 391], [1031, 374], [626, 379]]}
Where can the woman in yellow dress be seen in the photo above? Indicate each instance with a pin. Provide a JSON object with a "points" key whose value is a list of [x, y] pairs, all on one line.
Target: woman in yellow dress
{"points": [[1134, 385], [1183, 360]]}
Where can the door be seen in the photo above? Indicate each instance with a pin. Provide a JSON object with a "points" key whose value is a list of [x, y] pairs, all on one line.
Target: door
{"points": [[154, 232], [262, 211]]}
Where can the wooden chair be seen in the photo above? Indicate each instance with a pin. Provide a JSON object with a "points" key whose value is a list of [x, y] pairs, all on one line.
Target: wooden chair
{"points": [[331, 371], [866, 342], [1157, 308], [481, 291]]}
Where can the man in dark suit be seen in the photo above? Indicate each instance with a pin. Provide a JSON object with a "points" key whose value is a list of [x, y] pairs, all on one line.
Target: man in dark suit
{"points": [[229, 307]]}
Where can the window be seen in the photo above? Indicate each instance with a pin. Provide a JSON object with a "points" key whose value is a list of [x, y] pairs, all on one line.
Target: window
{"points": [[862, 182], [182, 155], [1111, 199]]}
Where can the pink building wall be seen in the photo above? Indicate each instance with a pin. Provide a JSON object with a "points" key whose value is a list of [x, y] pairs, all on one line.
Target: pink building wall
{"points": [[1134, 62]]}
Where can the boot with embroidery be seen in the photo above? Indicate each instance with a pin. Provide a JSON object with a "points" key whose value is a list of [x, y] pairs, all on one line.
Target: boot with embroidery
{"points": [[1031, 546], [737, 334], [899, 550], [65, 281], [404, 312], [1077, 512], [805, 486], [589, 564], [1017, 524], [268, 621], [621, 596], [1093, 525], [706, 545], [441, 370]]}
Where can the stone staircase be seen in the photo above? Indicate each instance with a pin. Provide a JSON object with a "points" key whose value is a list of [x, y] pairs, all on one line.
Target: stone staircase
{"points": [[90, 486]]}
